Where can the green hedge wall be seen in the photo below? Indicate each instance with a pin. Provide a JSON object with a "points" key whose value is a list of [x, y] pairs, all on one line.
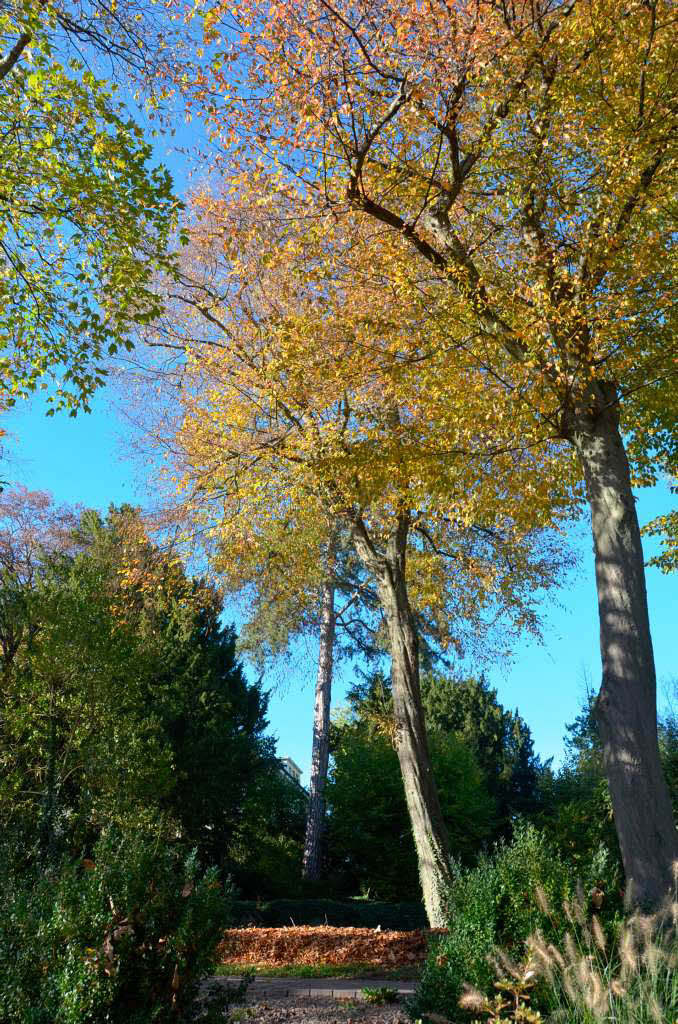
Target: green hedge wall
{"points": [[340, 914]]}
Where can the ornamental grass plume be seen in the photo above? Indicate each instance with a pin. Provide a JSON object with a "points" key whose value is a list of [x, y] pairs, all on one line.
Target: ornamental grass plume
{"points": [[594, 978], [633, 980]]}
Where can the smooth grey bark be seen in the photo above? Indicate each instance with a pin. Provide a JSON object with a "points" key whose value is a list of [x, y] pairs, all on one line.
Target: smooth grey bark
{"points": [[428, 827], [321, 727], [626, 707]]}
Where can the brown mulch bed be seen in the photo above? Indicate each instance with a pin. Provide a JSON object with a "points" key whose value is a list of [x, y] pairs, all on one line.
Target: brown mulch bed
{"points": [[277, 947]]}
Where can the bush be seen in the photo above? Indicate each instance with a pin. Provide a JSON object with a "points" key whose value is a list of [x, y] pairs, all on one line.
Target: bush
{"points": [[498, 905], [590, 980], [123, 938], [336, 913]]}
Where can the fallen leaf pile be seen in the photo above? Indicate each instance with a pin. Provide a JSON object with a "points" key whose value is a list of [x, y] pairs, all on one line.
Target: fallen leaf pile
{"points": [[279, 947]]}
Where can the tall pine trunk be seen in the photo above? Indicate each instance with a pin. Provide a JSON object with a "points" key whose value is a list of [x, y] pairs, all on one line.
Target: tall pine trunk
{"points": [[626, 707], [423, 805], [321, 728]]}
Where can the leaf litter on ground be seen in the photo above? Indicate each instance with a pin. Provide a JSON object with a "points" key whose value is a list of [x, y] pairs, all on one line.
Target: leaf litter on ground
{"points": [[277, 947]]}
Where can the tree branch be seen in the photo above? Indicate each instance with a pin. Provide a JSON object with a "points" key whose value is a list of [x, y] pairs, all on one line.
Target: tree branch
{"points": [[8, 63]]}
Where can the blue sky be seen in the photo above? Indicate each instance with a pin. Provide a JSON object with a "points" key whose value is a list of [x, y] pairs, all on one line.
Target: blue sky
{"points": [[84, 460]]}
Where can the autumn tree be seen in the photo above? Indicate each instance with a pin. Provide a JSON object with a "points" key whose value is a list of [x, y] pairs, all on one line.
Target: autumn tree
{"points": [[296, 411], [666, 527], [85, 219], [295, 580], [521, 157]]}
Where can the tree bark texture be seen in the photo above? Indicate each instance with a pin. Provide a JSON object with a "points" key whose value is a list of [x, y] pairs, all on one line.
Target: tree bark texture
{"points": [[321, 728], [626, 707], [423, 805]]}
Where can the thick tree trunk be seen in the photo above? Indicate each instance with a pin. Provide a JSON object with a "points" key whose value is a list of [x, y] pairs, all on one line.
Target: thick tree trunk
{"points": [[626, 708], [321, 729], [423, 805]]}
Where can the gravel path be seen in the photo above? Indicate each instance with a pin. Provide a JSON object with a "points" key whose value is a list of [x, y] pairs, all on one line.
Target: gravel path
{"points": [[320, 1001], [321, 1010]]}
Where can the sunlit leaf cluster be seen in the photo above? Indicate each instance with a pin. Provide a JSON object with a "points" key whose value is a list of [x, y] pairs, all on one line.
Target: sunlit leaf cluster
{"points": [[85, 219]]}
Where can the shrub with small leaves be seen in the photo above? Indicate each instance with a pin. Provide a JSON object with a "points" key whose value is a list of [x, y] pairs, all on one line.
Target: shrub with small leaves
{"points": [[498, 905], [123, 938]]}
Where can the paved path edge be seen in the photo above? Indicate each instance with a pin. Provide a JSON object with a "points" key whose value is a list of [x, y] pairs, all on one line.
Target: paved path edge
{"points": [[331, 988]]}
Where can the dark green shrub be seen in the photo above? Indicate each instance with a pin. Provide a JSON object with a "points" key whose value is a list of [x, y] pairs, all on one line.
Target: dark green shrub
{"points": [[125, 702], [124, 938], [337, 913], [497, 905]]}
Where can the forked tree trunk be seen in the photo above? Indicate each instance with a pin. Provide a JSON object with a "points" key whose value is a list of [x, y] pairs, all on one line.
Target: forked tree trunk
{"points": [[321, 728], [428, 828], [626, 707]]}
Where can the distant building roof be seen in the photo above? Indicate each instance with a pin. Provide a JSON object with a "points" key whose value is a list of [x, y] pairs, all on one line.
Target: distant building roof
{"points": [[292, 768]]}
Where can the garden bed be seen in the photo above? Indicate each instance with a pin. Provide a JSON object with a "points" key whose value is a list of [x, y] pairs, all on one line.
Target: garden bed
{"points": [[277, 947]]}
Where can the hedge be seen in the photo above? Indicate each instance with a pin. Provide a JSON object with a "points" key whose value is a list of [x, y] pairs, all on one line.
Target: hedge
{"points": [[338, 914]]}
